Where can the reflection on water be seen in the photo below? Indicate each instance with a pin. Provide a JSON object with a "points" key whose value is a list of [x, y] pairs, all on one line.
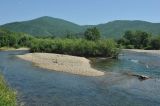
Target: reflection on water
{"points": [[42, 87]]}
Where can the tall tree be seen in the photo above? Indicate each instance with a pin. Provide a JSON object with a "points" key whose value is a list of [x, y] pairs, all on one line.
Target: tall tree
{"points": [[92, 34]]}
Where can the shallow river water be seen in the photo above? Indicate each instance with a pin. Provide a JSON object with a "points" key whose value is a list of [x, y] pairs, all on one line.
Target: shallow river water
{"points": [[41, 87]]}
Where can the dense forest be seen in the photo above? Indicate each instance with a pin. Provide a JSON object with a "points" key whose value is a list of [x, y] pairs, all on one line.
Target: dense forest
{"points": [[139, 40]]}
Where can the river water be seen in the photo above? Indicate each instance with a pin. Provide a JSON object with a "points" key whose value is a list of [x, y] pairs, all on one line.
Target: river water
{"points": [[41, 87]]}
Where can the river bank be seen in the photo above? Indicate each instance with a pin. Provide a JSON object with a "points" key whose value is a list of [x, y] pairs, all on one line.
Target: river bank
{"points": [[63, 63], [7, 96], [156, 52], [10, 48]]}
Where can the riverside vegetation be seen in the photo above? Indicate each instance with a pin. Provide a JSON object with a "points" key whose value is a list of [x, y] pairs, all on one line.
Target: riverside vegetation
{"points": [[90, 45], [139, 40], [7, 96]]}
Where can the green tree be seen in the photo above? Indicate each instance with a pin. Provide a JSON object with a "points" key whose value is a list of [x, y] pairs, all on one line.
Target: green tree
{"points": [[137, 39], [128, 35], [155, 43], [92, 34]]}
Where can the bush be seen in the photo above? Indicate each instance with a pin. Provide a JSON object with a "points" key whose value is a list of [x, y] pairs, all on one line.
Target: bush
{"points": [[155, 43], [79, 47], [130, 46]]}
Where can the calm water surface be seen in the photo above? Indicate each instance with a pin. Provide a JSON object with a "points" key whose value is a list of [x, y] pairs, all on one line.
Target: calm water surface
{"points": [[40, 87]]}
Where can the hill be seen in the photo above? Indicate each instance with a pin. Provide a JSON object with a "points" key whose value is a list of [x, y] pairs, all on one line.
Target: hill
{"points": [[48, 26], [117, 28]]}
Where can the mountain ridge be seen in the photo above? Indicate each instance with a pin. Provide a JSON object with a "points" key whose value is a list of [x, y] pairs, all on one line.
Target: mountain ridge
{"points": [[49, 26]]}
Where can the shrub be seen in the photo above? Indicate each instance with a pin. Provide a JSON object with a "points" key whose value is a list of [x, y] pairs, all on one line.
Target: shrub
{"points": [[130, 46], [79, 47]]}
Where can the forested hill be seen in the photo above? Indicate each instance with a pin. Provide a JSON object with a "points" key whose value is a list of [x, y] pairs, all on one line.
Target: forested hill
{"points": [[58, 27], [117, 28], [46, 26]]}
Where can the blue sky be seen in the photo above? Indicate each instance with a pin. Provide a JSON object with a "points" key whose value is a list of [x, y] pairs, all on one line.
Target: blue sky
{"points": [[80, 11]]}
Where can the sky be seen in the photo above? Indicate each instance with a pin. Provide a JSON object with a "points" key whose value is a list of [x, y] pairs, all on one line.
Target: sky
{"points": [[82, 12]]}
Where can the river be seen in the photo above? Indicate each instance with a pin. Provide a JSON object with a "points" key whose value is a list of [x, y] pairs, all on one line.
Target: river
{"points": [[41, 87]]}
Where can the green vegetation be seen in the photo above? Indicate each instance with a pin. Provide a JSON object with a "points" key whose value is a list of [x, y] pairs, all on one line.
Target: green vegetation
{"points": [[92, 45], [7, 96], [48, 26], [139, 40], [92, 34], [155, 43], [71, 46], [78, 47], [44, 26], [116, 29], [12, 39]]}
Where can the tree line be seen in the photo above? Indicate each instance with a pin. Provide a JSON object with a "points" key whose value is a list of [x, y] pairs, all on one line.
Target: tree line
{"points": [[91, 44], [139, 40], [12, 39]]}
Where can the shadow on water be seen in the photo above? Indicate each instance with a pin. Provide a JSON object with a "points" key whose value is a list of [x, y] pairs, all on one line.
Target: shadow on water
{"points": [[42, 87]]}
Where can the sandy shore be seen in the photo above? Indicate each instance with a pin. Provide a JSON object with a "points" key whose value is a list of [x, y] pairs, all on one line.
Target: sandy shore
{"points": [[156, 52], [64, 63], [8, 49]]}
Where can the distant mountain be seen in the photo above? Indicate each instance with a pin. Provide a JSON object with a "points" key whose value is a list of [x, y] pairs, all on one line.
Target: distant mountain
{"points": [[44, 26], [58, 27], [117, 28]]}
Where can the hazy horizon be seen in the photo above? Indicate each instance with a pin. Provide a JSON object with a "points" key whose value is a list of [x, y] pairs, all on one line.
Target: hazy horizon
{"points": [[84, 12]]}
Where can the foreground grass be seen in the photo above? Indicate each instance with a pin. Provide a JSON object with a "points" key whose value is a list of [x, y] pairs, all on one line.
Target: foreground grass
{"points": [[7, 96]]}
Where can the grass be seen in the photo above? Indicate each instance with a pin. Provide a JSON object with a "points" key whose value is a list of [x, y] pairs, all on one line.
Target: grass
{"points": [[7, 96]]}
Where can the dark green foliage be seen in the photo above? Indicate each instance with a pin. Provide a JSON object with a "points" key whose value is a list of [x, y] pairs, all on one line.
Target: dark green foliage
{"points": [[11, 39], [128, 35], [155, 43], [45, 37], [130, 47], [137, 39], [92, 34]]}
